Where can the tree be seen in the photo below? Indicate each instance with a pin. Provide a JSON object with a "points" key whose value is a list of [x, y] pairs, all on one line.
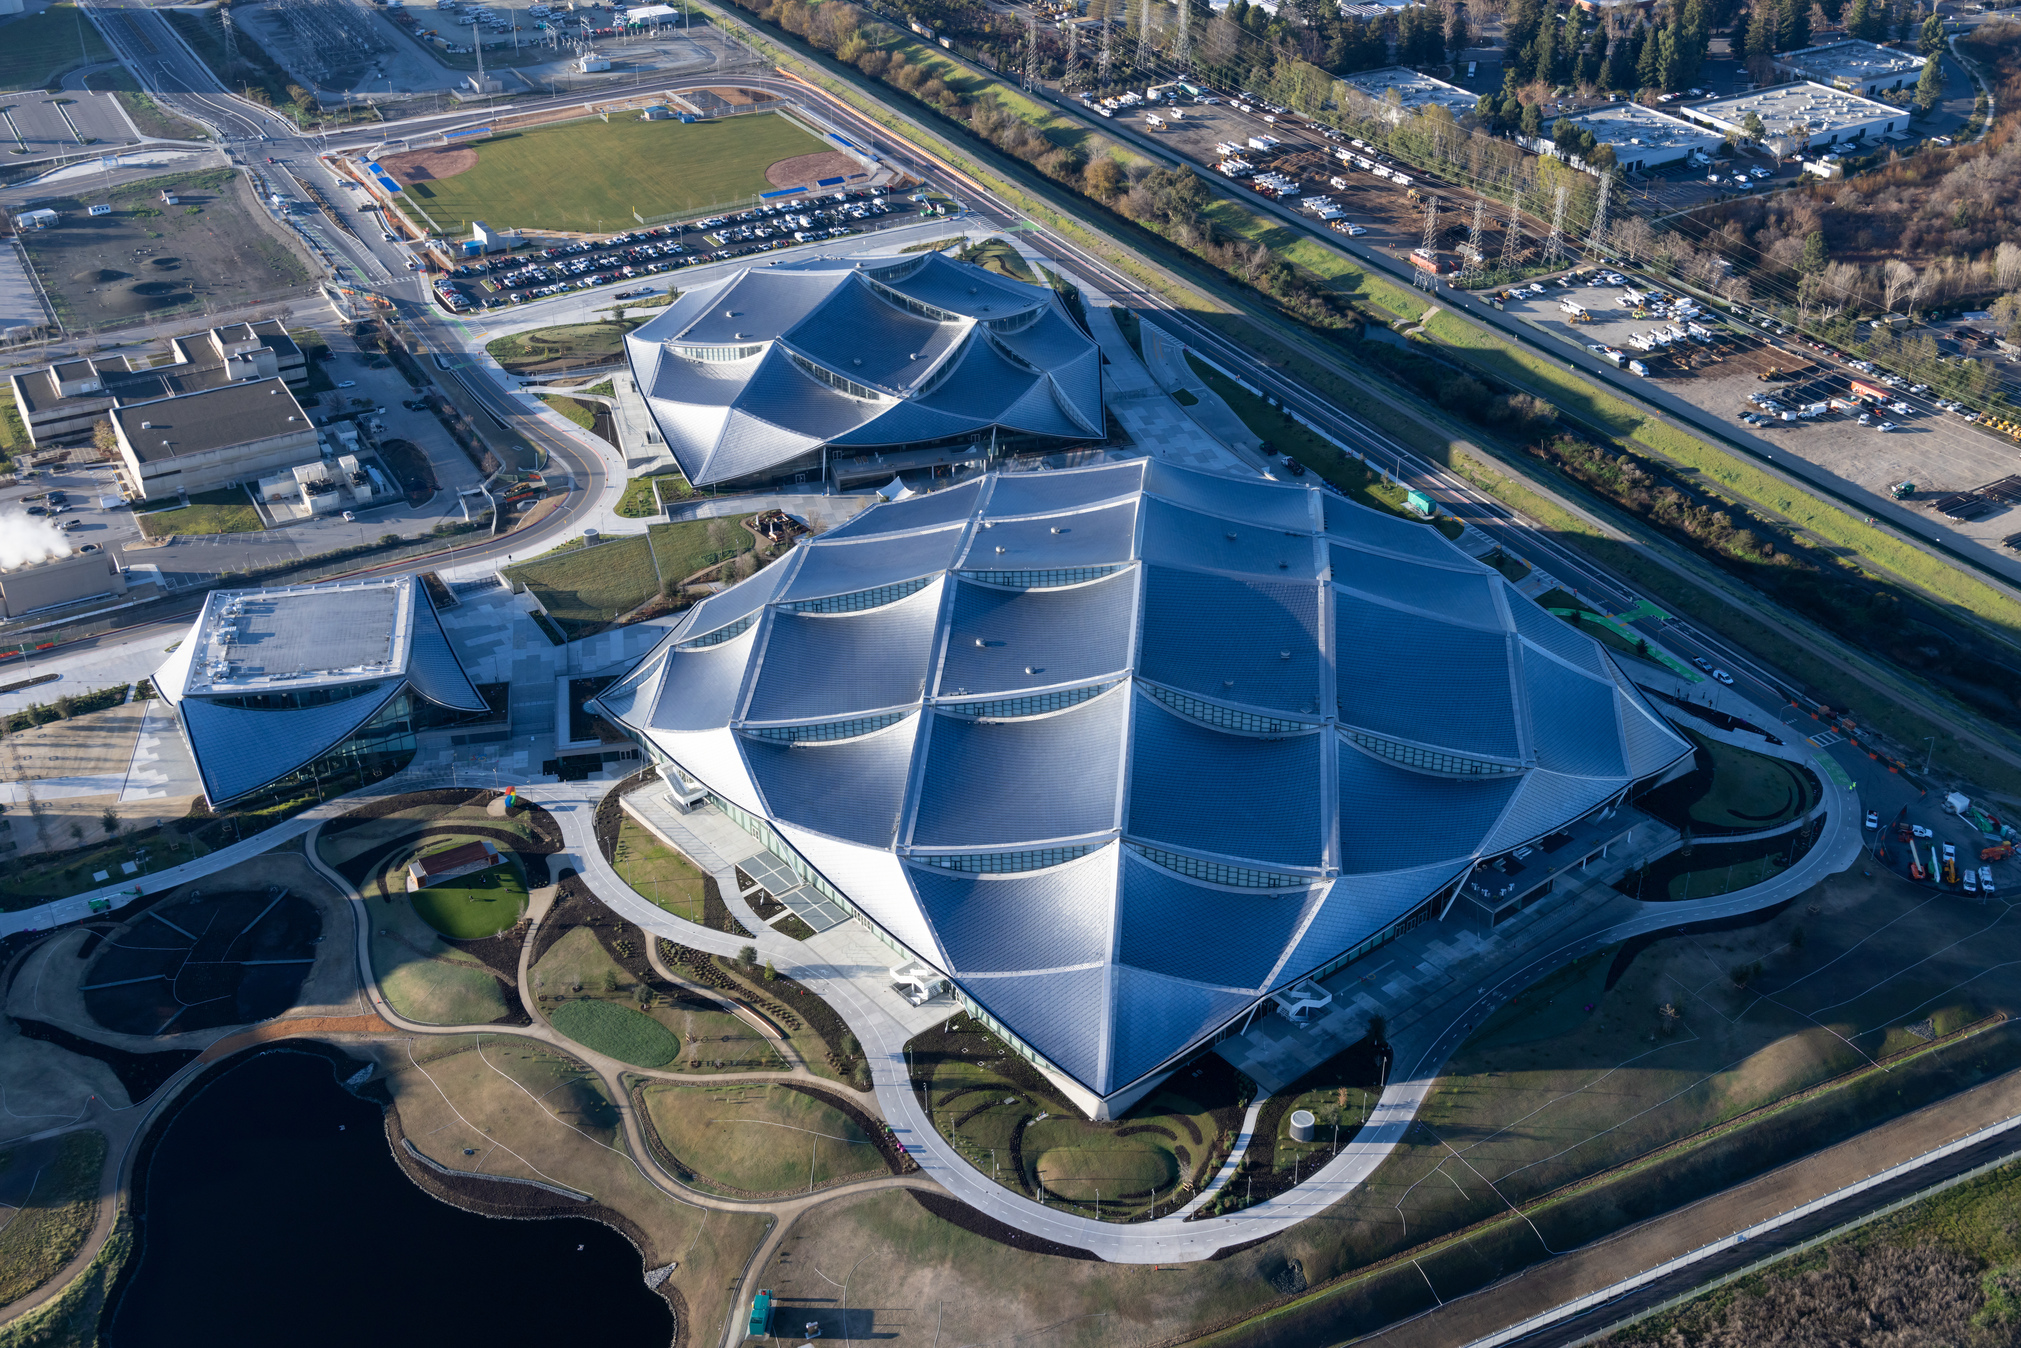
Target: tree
{"points": [[1533, 120], [747, 955], [1648, 68], [1930, 85], [1458, 38], [1620, 67], [1867, 21], [109, 822], [1754, 126], [1931, 41], [1815, 257], [105, 438], [1795, 25], [771, 974]]}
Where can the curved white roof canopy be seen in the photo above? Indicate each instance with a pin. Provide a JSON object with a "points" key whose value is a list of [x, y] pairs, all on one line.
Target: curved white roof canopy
{"points": [[268, 681], [1124, 749], [768, 365]]}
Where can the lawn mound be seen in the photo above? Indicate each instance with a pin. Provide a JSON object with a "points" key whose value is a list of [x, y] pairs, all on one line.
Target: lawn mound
{"points": [[473, 907], [617, 1032], [1085, 1173]]}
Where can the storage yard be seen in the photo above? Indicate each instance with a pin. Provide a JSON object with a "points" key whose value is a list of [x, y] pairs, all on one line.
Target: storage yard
{"points": [[1868, 434]]}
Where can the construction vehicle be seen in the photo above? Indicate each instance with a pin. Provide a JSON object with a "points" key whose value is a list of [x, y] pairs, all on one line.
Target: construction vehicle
{"points": [[761, 1313], [1950, 864], [1411, 194], [1902, 491], [1997, 853], [1916, 871], [1772, 372]]}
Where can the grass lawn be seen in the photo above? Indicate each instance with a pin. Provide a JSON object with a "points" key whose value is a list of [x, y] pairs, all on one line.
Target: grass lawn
{"points": [[644, 496], [999, 256], [616, 1031], [50, 1208], [585, 589], [981, 1098], [688, 546], [471, 907], [37, 48], [582, 414], [657, 871], [566, 344], [590, 176], [224, 511], [1743, 791], [462, 1092], [13, 433], [759, 1138]]}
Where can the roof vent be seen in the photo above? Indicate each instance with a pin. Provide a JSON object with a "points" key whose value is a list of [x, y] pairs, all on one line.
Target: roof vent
{"points": [[147, 425], [1231, 538], [272, 391], [971, 290], [1284, 655], [1031, 669], [857, 361], [1227, 683], [980, 642], [1058, 530], [913, 356], [1001, 550]]}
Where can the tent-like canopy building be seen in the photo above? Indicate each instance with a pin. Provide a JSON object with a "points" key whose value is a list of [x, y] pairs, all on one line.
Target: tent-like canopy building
{"points": [[272, 687], [770, 373], [1124, 750]]}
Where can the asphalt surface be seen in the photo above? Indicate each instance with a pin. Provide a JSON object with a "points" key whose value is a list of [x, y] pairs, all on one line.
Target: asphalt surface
{"points": [[1765, 1249]]}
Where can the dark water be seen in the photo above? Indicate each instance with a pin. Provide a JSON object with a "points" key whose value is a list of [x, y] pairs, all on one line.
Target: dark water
{"points": [[275, 1215]]}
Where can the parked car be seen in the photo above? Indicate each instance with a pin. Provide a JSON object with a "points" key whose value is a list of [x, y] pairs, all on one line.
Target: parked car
{"points": [[1702, 663], [347, 383], [1917, 830], [1873, 819], [1723, 677]]}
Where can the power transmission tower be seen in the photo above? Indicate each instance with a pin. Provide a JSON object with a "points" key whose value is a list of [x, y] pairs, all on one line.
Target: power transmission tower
{"points": [[1430, 250], [1598, 238], [1072, 78], [1031, 49], [1512, 238], [1145, 51], [1182, 47], [1554, 247], [1470, 270], [1108, 30], [231, 40]]}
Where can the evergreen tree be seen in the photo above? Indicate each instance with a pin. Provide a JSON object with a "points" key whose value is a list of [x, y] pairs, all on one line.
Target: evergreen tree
{"points": [[1667, 61], [1648, 74], [1533, 120], [1765, 30], [1526, 18], [1621, 65], [1930, 87], [1591, 64], [1815, 257], [1931, 40], [1543, 52], [1458, 38], [1795, 25], [1866, 21]]}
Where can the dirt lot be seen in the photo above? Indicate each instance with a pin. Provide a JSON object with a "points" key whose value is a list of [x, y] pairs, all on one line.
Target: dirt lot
{"points": [[1929, 447], [147, 260]]}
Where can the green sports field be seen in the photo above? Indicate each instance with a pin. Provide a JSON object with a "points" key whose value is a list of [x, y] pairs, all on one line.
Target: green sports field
{"points": [[590, 176]]}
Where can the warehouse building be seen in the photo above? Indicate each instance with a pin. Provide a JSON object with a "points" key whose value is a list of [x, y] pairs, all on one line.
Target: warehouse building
{"points": [[274, 687], [63, 401], [1123, 753], [220, 437], [833, 369], [62, 578], [1853, 67], [1808, 115], [1643, 138], [1404, 92]]}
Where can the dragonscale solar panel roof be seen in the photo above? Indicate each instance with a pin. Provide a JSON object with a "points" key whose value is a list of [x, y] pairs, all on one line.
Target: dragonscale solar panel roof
{"points": [[761, 369], [1123, 749]]}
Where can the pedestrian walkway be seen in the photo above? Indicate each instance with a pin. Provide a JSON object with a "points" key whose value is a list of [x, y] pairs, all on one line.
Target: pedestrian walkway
{"points": [[1165, 356]]}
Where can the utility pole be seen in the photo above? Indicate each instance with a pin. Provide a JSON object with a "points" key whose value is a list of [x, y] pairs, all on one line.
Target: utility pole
{"points": [[231, 41], [1145, 51], [1182, 46], [1108, 31], [1554, 247]]}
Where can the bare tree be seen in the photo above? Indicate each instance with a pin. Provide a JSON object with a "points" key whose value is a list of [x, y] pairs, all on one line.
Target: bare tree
{"points": [[1896, 279], [2007, 267]]}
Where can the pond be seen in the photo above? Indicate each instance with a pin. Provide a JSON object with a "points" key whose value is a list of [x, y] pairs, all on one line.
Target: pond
{"points": [[275, 1214]]}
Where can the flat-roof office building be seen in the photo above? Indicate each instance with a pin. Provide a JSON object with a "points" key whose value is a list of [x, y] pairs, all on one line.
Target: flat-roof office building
{"points": [[1854, 67], [235, 433], [1643, 138], [1809, 114]]}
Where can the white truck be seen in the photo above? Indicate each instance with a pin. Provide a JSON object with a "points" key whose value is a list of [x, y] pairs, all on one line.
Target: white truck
{"points": [[1638, 368]]}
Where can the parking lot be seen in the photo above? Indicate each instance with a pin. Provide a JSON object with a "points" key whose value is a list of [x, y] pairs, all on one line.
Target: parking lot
{"points": [[581, 264], [1750, 361], [42, 124]]}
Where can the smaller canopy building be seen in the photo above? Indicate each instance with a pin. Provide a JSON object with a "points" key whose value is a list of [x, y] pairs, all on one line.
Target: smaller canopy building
{"points": [[272, 688]]}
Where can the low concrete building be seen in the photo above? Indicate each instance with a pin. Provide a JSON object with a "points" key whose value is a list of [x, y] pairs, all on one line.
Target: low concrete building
{"points": [[1806, 114], [1853, 67], [1642, 137], [216, 438], [59, 580], [64, 401], [1404, 92]]}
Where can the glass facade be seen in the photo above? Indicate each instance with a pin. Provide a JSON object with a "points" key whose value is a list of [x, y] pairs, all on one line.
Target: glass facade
{"points": [[859, 600], [379, 748], [1008, 863], [1220, 873], [827, 730], [1430, 760], [1010, 708], [1041, 580]]}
